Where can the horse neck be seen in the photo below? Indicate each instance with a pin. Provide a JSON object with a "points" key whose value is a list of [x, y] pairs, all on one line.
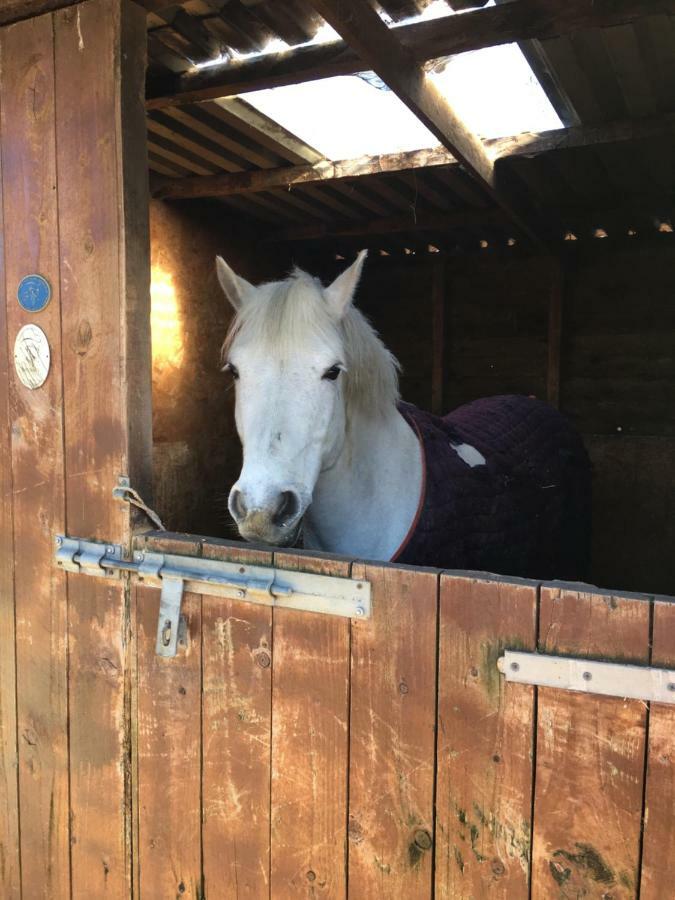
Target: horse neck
{"points": [[364, 504]]}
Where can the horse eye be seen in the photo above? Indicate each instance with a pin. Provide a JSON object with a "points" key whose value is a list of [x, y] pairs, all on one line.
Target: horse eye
{"points": [[333, 373], [233, 370]]}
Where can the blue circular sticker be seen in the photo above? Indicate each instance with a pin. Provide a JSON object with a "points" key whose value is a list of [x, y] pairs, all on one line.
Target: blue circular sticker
{"points": [[34, 293]]}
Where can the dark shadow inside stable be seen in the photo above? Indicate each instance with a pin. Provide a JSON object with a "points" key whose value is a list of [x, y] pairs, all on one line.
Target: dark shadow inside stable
{"points": [[616, 373]]}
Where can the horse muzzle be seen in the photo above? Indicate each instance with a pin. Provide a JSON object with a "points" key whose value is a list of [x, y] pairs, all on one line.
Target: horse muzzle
{"points": [[277, 522]]}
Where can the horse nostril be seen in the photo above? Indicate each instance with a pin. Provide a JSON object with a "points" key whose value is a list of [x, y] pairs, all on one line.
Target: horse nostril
{"points": [[287, 509], [237, 506]]}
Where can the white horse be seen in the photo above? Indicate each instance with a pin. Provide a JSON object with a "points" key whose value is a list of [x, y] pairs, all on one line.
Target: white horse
{"points": [[328, 448]]}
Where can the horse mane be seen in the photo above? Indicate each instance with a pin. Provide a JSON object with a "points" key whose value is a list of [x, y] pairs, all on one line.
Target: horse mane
{"points": [[285, 314]]}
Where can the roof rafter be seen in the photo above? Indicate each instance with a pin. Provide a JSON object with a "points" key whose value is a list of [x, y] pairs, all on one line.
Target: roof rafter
{"points": [[520, 20], [527, 144]]}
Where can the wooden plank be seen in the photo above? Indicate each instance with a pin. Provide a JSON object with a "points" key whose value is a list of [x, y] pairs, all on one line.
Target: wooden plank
{"points": [[485, 740], [168, 695], [438, 300], [392, 736], [105, 252], [555, 312], [320, 170], [658, 843], [310, 745], [237, 732], [521, 21], [10, 860], [31, 245], [590, 752]]}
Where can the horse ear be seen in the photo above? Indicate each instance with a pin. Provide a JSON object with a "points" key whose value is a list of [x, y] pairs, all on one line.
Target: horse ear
{"points": [[236, 289], [341, 292]]}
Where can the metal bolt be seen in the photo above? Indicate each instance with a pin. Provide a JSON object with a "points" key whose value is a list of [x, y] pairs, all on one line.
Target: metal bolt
{"points": [[360, 611], [515, 666], [587, 676], [423, 839]]}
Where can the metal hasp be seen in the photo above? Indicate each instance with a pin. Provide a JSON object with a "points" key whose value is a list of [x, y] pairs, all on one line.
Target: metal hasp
{"points": [[589, 676], [175, 574]]}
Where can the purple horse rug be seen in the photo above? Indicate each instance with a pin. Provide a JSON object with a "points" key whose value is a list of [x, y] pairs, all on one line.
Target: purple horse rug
{"points": [[507, 489]]}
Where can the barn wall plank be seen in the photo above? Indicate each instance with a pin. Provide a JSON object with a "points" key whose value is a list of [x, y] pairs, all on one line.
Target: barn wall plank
{"points": [[392, 736], [10, 861], [31, 245], [658, 845], [485, 740], [590, 753], [169, 748], [99, 58], [237, 731], [310, 735]]}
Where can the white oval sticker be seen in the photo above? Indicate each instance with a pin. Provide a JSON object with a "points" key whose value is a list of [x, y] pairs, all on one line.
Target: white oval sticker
{"points": [[32, 358]]}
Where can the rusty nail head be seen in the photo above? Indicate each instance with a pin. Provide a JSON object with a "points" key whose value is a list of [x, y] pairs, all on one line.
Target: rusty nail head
{"points": [[264, 660], [423, 839], [498, 867], [311, 876], [403, 688]]}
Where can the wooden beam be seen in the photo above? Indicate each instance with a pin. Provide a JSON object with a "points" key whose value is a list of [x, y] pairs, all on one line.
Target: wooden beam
{"points": [[438, 324], [421, 220], [555, 308], [526, 144], [15, 10], [520, 20]]}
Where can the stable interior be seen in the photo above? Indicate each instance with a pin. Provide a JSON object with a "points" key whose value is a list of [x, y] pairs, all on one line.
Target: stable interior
{"points": [[576, 307]]}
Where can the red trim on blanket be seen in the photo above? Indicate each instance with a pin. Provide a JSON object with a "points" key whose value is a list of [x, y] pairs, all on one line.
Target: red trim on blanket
{"points": [[423, 491]]}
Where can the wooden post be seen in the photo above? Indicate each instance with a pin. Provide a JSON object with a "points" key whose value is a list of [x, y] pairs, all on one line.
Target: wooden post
{"points": [[555, 310], [75, 202], [438, 333]]}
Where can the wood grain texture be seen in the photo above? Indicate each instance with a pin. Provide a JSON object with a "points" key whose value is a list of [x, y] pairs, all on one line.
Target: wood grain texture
{"points": [[310, 734], [658, 843], [168, 695], [31, 245], [392, 736], [236, 734], [485, 740], [99, 52], [10, 861], [590, 753]]}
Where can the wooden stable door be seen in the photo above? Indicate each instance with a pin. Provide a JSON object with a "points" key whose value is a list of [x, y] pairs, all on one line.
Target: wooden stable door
{"points": [[74, 211], [288, 754]]}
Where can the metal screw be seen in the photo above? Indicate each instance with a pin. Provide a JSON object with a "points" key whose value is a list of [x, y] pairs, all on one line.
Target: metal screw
{"points": [[671, 686], [360, 611], [138, 556], [359, 586], [515, 666], [241, 594], [110, 551], [587, 676], [242, 569], [59, 541]]}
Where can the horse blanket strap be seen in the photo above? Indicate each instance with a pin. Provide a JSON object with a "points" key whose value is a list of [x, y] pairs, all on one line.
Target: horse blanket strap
{"points": [[506, 489]]}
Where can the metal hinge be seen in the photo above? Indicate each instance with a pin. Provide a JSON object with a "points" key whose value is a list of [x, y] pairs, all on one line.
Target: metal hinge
{"points": [[589, 676], [175, 574]]}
